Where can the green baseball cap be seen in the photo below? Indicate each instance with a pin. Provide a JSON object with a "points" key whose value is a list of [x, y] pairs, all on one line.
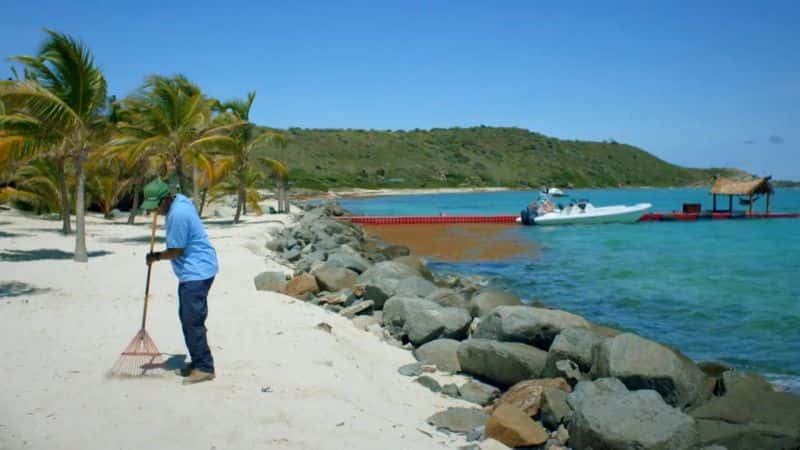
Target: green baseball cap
{"points": [[154, 192]]}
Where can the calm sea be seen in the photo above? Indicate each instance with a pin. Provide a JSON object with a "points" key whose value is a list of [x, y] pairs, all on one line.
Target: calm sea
{"points": [[717, 290]]}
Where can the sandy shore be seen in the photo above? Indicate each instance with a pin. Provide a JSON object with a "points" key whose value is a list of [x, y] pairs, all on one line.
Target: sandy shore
{"points": [[63, 324], [355, 192]]}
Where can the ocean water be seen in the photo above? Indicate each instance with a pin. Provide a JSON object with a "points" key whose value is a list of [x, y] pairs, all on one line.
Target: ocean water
{"points": [[726, 291]]}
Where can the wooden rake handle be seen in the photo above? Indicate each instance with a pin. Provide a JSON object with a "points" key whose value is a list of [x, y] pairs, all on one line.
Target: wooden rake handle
{"points": [[149, 268]]}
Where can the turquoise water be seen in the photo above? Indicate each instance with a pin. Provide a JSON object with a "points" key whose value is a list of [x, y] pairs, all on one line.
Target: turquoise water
{"points": [[717, 290]]}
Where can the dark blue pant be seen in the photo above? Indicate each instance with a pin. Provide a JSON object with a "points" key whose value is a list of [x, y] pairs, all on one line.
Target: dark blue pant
{"points": [[193, 310]]}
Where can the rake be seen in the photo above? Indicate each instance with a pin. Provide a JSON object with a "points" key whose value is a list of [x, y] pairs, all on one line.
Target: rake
{"points": [[141, 354]]}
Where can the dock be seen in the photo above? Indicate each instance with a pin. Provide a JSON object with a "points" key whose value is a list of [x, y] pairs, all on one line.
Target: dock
{"points": [[689, 217]]}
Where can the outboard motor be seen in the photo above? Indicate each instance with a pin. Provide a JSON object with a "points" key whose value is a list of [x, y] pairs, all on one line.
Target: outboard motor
{"points": [[527, 215]]}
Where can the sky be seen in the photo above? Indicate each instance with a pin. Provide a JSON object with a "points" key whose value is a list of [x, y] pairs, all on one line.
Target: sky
{"points": [[697, 83]]}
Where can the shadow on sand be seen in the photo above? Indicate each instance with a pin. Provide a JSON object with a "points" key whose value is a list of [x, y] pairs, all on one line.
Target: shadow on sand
{"points": [[42, 254], [16, 288], [136, 240]]}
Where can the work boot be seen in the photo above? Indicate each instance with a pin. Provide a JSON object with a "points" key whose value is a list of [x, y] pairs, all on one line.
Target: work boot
{"points": [[198, 376], [186, 370]]}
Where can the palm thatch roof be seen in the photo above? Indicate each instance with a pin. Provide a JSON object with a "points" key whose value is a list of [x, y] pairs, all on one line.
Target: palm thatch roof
{"points": [[726, 186]]}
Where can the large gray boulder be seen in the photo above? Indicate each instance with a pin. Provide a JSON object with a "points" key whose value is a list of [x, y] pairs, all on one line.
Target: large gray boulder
{"points": [[443, 353], [270, 281], [349, 260], [333, 278], [608, 416], [396, 310], [750, 414], [448, 297], [428, 323], [484, 302], [502, 364], [574, 344], [381, 280], [643, 364], [416, 263], [415, 286], [526, 324]]}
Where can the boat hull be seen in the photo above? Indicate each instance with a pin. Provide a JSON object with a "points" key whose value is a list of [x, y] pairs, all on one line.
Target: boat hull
{"points": [[610, 214]]}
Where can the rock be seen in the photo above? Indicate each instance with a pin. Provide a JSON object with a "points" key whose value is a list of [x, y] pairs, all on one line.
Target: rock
{"points": [[574, 344], [300, 285], [396, 251], [491, 444], [643, 364], [608, 416], [417, 264], [426, 324], [347, 260], [448, 297], [476, 434], [483, 303], [333, 208], [381, 280], [562, 435], [479, 393], [501, 363], [414, 287], [749, 415], [364, 322], [411, 370], [397, 309], [514, 428], [333, 278], [554, 407], [292, 255], [429, 383], [526, 324], [568, 370], [440, 352], [527, 395], [270, 281], [357, 308], [450, 390], [458, 419]]}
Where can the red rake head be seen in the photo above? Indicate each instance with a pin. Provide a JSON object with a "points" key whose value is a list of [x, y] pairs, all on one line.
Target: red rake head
{"points": [[139, 357]]}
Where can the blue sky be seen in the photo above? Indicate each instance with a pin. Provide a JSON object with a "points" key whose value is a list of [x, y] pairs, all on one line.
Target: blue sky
{"points": [[700, 83]]}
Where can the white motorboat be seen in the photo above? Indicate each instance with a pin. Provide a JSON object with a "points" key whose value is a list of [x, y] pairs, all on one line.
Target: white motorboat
{"points": [[544, 212], [555, 192]]}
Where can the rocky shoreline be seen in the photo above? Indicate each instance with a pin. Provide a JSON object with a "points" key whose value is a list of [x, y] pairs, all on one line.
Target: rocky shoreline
{"points": [[542, 378]]}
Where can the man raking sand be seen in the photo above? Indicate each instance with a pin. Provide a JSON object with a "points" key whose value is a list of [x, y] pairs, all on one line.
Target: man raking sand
{"points": [[194, 262]]}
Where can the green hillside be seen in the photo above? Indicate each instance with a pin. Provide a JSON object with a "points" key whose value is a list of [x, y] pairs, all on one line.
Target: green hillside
{"points": [[480, 156]]}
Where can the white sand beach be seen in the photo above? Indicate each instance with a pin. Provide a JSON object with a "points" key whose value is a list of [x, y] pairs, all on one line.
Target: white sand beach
{"points": [[282, 383], [351, 193]]}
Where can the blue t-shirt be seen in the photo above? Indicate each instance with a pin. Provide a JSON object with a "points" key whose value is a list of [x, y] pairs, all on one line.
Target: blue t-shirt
{"points": [[185, 230]]}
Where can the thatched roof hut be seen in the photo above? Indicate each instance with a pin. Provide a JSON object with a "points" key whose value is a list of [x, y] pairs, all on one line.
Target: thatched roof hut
{"points": [[726, 186]]}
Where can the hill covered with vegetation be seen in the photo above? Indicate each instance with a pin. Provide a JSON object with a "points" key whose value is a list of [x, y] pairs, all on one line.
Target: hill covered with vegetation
{"points": [[479, 156]]}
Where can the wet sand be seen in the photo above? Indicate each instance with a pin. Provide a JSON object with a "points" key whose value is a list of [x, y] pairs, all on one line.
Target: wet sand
{"points": [[464, 242]]}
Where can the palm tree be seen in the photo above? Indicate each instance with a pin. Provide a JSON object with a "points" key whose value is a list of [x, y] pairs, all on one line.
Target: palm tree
{"points": [[128, 145], [63, 96], [247, 140], [175, 120], [36, 185]]}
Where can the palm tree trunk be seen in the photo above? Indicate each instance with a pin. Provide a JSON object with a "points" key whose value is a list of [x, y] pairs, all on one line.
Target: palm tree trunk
{"points": [[66, 225], [202, 202], [239, 198], [135, 204], [195, 186], [182, 181], [80, 211]]}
